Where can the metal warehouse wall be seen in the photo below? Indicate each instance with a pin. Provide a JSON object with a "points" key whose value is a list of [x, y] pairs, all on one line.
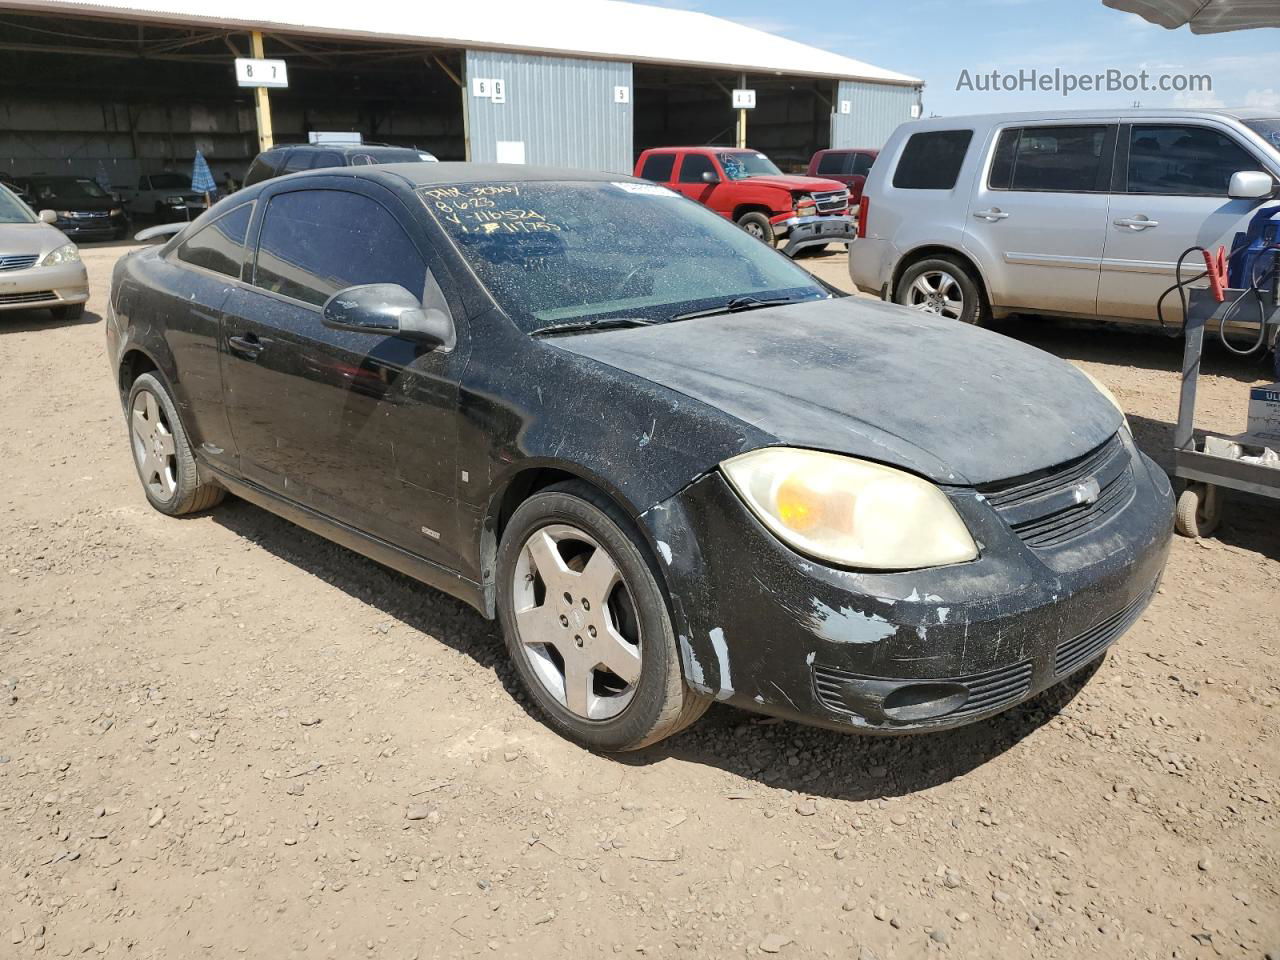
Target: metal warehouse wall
{"points": [[877, 109], [561, 109]]}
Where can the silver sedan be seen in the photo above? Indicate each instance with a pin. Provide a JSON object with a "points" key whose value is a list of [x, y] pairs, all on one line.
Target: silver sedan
{"points": [[39, 266]]}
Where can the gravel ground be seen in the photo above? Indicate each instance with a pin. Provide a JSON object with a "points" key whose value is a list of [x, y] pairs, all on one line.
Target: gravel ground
{"points": [[224, 736]]}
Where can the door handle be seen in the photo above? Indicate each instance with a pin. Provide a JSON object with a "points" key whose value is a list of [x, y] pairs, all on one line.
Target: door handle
{"points": [[992, 215], [1137, 223], [249, 346]]}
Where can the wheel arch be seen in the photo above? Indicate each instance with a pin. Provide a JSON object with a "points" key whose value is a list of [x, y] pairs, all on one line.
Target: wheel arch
{"points": [[525, 482], [911, 258], [742, 209]]}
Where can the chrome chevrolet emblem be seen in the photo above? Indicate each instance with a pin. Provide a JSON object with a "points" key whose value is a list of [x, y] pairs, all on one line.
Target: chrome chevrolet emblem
{"points": [[1087, 491]]}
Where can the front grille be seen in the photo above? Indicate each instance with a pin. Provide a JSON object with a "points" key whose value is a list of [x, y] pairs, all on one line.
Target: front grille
{"points": [[988, 691], [17, 261], [1087, 646], [36, 297], [1050, 507], [87, 214], [833, 201]]}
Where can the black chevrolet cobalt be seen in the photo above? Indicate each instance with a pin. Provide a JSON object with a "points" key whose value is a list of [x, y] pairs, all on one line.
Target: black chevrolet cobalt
{"points": [[673, 465]]}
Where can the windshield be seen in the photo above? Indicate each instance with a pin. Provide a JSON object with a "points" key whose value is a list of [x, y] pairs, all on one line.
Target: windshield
{"points": [[556, 252], [170, 181], [67, 188], [13, 210], [1269, 130], [741, 164]]}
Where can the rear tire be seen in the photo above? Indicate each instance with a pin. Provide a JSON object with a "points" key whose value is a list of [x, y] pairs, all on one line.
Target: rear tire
{"points": [[943, 286], [757, 225], [561, 628], [162, 453]]}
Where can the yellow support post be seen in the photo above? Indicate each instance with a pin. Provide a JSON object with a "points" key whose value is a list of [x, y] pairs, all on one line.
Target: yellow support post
{"points": [[262, 103], [742, 116]]}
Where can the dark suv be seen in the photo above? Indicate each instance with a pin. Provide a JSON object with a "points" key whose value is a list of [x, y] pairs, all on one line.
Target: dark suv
{"points": [[288, 158]]}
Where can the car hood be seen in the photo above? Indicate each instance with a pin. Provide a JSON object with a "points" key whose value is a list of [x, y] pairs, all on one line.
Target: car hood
{"points": [[811, 184], [25, 238], [951, 402]]}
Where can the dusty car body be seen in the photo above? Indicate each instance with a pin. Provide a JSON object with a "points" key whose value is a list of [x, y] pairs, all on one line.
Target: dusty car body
{"points": [[547, 363]]}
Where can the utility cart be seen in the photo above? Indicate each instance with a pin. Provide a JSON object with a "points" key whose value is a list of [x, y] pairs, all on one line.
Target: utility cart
{"points": [[1246, 461]]}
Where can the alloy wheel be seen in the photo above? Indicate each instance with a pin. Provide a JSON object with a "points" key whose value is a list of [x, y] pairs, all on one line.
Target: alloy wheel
{"points": [[936, 291], [576, 622], [153, 447]]}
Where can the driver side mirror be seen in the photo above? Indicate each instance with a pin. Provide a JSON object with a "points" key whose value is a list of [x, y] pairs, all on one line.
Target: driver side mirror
{"points": [[48, 216], [710, 176], [391, 310], [1251, 185]]}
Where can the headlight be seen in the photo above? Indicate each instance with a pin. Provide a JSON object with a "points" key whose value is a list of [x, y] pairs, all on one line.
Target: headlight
{"points": [[1102, 389], [64, 214], [67, 253], [806, 206], [115, 212], [175, 201], [851, 512]]}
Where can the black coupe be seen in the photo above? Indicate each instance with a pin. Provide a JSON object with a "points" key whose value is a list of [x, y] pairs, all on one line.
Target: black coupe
{"points": [[675, 466]]}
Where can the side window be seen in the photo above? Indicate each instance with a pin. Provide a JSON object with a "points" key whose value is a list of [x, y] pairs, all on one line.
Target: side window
{"points": [[327, 159], [658, 167], [298, 160], [1053, 159], [1183, 160], [862, 164], [837, 163], [932, 160], [693, 166], [314, 243], [219, 245]]}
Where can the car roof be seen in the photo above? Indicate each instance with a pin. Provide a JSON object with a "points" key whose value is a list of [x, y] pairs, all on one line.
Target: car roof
{"points": [[1136, 113], [343, 147], [426, 173]]}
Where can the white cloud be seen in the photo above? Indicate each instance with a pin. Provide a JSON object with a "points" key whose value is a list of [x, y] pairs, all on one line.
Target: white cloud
{"points": [[1268, 99], [1198, 100]]}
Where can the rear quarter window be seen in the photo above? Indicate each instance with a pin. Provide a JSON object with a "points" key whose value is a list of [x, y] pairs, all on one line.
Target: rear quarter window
{"points": [[658, 167], [932, 160]]}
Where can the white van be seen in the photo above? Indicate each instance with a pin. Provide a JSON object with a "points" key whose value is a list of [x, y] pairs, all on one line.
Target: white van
{"points": [[1076, 213]]}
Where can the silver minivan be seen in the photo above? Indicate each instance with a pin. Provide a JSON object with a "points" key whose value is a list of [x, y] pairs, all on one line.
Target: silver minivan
{"points": [[1072, 213]]}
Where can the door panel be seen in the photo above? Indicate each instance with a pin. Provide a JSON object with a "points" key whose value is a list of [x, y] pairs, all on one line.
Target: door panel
{"points": [[1038, 215], [689, 178], [360, 427], [1172, 195]]}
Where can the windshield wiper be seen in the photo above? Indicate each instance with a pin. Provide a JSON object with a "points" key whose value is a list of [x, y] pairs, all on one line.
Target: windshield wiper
{"points": [[736, 305], [582, 326]]}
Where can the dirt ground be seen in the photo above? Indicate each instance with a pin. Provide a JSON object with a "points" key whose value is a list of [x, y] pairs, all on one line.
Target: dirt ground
{"points": [[223, 736]]}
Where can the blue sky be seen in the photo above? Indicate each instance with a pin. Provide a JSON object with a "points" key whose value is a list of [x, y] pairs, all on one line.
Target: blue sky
{"points": [[936, 40]]}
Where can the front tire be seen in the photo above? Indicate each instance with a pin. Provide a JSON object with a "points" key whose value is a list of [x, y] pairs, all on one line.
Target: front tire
{"points": [[942, 286], [162, 453], [757, 225], [587, 625]]}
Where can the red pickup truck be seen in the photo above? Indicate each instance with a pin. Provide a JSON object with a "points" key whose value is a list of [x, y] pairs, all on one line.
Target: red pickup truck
{"points": [[745, 187]]}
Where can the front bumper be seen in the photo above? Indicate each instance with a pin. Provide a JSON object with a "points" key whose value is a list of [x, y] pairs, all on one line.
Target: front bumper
{"points": [[93, 228], [768, 630], [804, 232], [36, 287]]}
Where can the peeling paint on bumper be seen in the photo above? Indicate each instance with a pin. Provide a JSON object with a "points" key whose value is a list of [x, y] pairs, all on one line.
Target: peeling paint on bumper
{"points": [[899, 652]]}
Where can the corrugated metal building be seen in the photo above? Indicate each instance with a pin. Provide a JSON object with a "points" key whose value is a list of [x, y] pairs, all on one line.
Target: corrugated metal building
{"points": [[138, 85]]}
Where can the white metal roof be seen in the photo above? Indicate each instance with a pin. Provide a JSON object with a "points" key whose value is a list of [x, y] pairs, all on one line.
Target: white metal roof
{"points": [[595, 28]]}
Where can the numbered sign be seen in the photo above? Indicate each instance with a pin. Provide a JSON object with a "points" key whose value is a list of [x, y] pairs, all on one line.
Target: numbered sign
{"points": [[621, 94], [489, 88], [261, 73], [744, 99], [846, 106]]}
